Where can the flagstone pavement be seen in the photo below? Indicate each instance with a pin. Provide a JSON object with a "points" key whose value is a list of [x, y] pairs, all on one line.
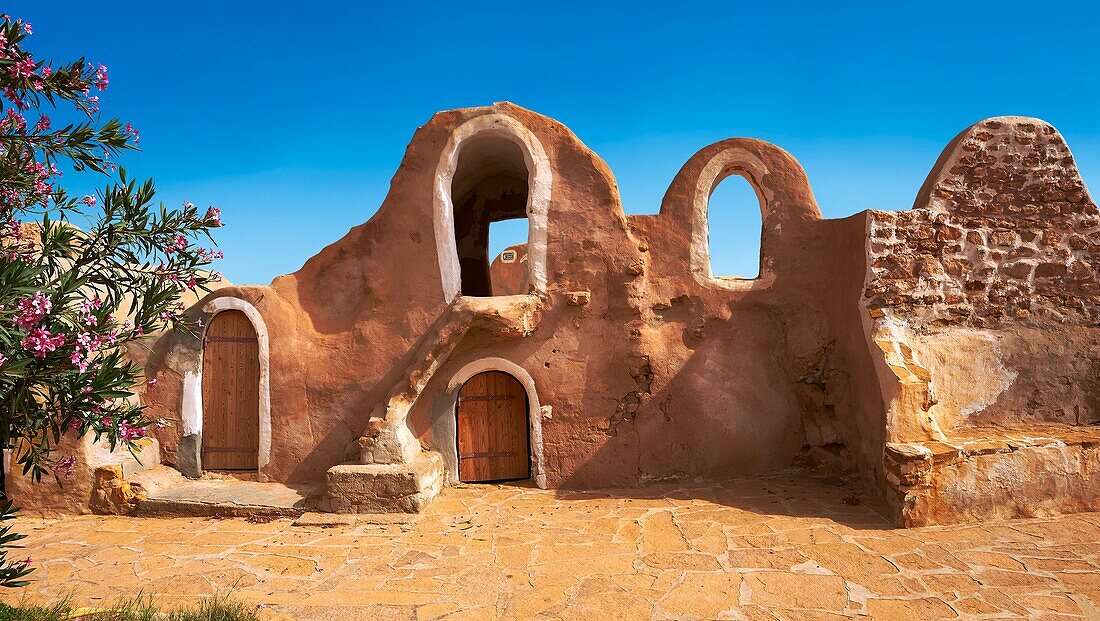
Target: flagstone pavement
{"points": [[776, 547]]}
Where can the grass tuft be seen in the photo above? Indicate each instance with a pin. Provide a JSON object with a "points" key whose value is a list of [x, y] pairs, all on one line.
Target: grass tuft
{"points": [[139, 608]]}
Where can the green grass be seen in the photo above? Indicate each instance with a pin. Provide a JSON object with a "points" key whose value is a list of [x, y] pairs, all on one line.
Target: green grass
{"points": [[139, 608]]}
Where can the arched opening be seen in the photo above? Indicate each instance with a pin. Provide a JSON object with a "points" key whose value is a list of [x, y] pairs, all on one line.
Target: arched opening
{"points": [[734, 228], [490, 185], [230, 393], [491, 429]]}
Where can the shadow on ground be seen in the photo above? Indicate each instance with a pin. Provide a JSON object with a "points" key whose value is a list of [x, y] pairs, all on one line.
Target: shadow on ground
{"points": [[792, 493]]}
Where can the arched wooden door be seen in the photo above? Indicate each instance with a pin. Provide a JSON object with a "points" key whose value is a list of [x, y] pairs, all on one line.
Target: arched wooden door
{"points": [[230, 394], [492, 429]]}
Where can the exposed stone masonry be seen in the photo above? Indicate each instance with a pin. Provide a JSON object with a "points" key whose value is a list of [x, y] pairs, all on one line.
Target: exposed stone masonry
{"points": [[1007, 233]]}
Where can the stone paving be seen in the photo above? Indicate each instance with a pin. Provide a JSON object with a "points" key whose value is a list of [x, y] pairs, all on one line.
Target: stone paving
{"points": [[779, 547]]}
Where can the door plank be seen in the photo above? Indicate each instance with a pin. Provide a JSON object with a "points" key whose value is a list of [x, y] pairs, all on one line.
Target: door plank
{"points": [[230, 394], [492, 429]]}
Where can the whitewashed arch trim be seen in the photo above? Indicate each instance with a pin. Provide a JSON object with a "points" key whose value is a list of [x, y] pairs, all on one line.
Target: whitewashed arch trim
{"points": [[192, 380], [539, 179], [731, 161], [445, 426]]}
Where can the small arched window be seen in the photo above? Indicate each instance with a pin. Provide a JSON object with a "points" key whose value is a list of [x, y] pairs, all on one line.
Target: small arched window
{"points": [[734, 228]]}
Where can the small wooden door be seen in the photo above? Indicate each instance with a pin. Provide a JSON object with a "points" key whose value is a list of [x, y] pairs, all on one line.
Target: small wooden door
{"points": [[230, 394], [492, 429]]}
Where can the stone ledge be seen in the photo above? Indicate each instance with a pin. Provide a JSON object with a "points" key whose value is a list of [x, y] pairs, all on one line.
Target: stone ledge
{"points": [[384, 488], [995, 473]]}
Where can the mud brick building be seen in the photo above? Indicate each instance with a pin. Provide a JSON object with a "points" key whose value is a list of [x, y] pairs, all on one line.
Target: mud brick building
{"points": [[947, 356]]}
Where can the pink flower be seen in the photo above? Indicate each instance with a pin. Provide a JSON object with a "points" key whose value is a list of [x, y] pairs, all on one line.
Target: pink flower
{"points": [[41, 342], [152, 383], [178, 243], [33, 310], [101, 81], [87, 307], [88, 200], [129, 432], [22, 69], [3, 359], [16, 228], [43, 123], [214, 214], [13, 119], [65, 466], [27, 29], [133, 132], [9, 92]]}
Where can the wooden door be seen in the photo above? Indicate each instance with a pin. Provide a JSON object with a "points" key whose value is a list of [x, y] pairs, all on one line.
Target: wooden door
{"points": [[230, 394], [492, 429]]}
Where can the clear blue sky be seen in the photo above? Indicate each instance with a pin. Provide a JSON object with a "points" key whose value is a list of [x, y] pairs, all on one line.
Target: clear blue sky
{"points": [[293, 116]]}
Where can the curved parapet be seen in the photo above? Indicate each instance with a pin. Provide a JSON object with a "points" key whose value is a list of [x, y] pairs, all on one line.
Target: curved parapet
{"points": [[786, 200], [1009, 166]]}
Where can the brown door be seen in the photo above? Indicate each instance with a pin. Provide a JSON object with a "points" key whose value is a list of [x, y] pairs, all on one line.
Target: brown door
{"points": [[492, 429], [230, 394]]}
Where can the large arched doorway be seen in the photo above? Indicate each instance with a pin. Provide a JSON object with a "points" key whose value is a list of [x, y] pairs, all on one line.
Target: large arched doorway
{"points": [[492, 430], [230, 394]]}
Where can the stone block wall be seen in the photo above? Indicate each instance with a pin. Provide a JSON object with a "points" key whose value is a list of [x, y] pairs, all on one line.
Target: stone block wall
{"points": [[983, 305], [1003, 233]]}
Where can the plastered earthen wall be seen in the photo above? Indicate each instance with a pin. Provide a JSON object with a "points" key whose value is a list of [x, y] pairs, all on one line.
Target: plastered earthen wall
{"points": [[975, 308], [659, 373]]}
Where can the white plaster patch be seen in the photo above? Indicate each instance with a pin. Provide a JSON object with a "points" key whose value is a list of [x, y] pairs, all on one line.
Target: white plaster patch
{"points": [[191, 415], [967, 368], [98, 454]]}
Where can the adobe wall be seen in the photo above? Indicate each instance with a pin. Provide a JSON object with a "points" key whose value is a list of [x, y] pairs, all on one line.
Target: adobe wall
{"points": [[649, 369], [864, 340]]}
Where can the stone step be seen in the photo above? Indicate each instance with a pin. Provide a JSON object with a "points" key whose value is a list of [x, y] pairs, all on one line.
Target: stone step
{"points": [[384, 488], [173, 495], [995, 473]]}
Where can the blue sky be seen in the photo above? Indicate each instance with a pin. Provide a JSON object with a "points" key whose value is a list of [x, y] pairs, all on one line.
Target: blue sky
{"points": [[293, 117]]}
